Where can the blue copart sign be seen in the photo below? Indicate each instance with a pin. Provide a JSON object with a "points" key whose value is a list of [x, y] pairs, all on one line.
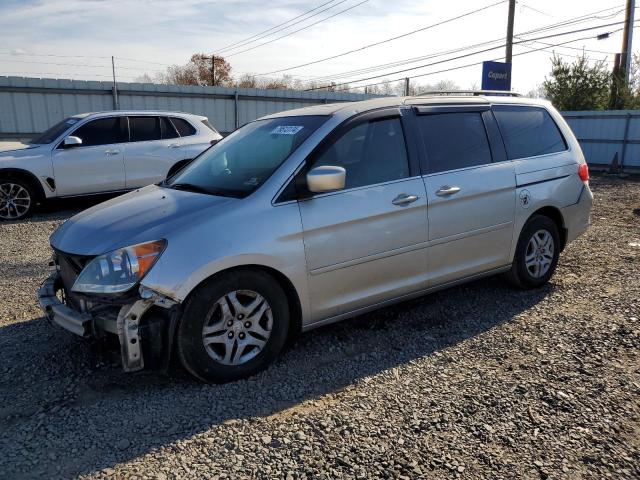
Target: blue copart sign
{"points": [[496, 76]]}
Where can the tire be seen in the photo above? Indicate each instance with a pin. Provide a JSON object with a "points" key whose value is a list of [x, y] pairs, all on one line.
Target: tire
{"points": [[17, 199], [533, 268], [243, 337]]}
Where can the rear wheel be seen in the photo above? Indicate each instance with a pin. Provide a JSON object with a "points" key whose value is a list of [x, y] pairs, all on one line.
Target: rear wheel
{"points": [[536, 254], [17, 199], [233, 326]]}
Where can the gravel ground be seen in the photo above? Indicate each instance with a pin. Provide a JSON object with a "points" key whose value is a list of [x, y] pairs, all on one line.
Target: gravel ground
{"points": [[477, 381]]}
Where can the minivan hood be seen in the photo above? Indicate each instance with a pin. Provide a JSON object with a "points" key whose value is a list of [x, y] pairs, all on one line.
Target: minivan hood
{"points": [[147, 214], [13, 146]]}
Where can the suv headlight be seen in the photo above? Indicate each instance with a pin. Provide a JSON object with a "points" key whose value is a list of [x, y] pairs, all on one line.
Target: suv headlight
{"points": [[119, 270]]}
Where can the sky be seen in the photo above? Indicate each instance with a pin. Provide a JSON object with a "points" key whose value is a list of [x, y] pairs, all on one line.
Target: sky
{"points": [[76, 38]]}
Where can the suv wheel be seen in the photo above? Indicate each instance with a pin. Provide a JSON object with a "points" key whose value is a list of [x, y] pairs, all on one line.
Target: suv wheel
{"points": [[17, 199], [233, 326], [536, 254]]}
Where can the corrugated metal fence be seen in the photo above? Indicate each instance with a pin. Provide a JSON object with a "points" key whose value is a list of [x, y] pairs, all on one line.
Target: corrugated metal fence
{"points": [[608, 135], [31, 105]]}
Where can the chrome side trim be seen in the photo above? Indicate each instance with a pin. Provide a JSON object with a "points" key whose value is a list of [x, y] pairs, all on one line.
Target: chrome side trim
{"points": [[403, 298]]}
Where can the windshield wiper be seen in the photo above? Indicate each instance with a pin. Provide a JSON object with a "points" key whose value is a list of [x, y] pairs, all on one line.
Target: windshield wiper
{"points": [[189, 187]]}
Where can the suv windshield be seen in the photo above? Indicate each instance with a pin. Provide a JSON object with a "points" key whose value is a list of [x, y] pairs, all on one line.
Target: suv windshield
{"points": [[54, 132], [240, 163]]}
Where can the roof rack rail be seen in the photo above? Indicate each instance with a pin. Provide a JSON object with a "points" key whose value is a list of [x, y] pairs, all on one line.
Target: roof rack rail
{"points": [[502, 93]]}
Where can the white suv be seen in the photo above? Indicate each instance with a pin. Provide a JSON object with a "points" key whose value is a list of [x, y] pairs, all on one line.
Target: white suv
{"points": [[99, 153]]}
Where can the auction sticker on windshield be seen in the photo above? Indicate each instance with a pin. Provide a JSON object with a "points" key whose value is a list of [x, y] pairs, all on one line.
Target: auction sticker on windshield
{"points": [[286, 130]]}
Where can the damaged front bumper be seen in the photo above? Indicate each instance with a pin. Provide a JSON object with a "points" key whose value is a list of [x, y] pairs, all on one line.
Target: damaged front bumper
{"points": [[144, 323]]}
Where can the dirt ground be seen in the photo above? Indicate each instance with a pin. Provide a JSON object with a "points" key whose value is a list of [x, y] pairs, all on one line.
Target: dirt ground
{"points": [[479, 381]]}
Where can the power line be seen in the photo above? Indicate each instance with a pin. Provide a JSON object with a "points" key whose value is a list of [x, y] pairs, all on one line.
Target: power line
{"points": [[402, 62], [535, 10], [261, 35], [372, 69], [300, 29], [49, 55], [574, 48], [85, 65], [460, 67], [473, 53], [548, 45], [69, 74], [384, 41]]}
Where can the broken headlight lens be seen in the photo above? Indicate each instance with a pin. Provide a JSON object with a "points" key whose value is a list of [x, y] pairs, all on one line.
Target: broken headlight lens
{"points": [[119, 270]]}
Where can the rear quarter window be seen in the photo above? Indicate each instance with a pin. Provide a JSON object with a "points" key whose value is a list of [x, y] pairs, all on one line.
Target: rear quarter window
{"points": [[528, 131], [184, 128]]}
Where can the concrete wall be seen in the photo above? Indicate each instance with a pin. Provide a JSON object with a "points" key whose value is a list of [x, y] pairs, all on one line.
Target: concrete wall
{"points": [[31, 105]]}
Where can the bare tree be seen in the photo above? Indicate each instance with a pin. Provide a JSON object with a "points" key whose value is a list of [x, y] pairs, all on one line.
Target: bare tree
{"points": [[199, 71]]}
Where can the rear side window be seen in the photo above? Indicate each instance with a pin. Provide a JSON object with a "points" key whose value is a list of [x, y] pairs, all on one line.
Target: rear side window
{"points": [[184, 128], [103, 131], [454, 140], [144, 128], [528, 131], [167, 129], [371, 152], [208, 125]]}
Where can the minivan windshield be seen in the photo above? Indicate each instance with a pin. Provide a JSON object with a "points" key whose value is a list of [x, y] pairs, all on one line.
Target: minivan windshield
{"points": [[240, 163], [54, 132]]}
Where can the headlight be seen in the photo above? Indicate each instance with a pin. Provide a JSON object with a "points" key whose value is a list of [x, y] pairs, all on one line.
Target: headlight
{"points": [[119, 270]]}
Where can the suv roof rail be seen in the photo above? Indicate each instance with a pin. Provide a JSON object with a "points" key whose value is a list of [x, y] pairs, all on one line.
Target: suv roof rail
{"points": [[502, 93]]}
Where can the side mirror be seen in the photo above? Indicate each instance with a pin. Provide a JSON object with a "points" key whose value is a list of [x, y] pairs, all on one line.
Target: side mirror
{"points": [[213, 142], [326, 179], [71, 142]]}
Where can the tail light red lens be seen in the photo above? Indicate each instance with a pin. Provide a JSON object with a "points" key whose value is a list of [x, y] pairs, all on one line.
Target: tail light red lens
{"points": [[583, 172]]}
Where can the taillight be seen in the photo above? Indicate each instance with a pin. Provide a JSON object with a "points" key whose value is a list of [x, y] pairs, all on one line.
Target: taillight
{"points": [[583, 172]]}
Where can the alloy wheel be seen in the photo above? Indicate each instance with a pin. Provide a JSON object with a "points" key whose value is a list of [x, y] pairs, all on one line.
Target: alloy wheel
{"points": [[238, 327], [539, 254], [15, 201]]}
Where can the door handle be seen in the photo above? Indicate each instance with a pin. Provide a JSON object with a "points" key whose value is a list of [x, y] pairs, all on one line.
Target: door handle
{"points": [[174, 145], [446, 190], [404, 199], [112, 152]]}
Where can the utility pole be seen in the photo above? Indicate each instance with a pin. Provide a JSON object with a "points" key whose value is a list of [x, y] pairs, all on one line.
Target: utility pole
{"points": [[512, 12], [115, 86], [406, 87], [627, 40], [213, 70]]}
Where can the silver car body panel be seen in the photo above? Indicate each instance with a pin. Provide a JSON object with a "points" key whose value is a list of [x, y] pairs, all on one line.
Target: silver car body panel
{"points": [[350, 251]]}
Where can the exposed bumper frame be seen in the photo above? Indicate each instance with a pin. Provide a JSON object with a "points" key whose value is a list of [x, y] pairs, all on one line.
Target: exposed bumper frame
{"points": [[57, 312], [127, 322]]}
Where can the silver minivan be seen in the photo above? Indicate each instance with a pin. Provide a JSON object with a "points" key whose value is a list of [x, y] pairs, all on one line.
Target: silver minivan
{"points": [[311, 216]]}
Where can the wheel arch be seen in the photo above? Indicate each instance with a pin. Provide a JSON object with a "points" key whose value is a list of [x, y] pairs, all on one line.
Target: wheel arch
{"points": [[293, 299], [555, 215], [26, 176]]}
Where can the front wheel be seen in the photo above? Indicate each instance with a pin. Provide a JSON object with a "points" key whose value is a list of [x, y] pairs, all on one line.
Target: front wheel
{"points": [[536, 254], [17, 199], [233, 326]]}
